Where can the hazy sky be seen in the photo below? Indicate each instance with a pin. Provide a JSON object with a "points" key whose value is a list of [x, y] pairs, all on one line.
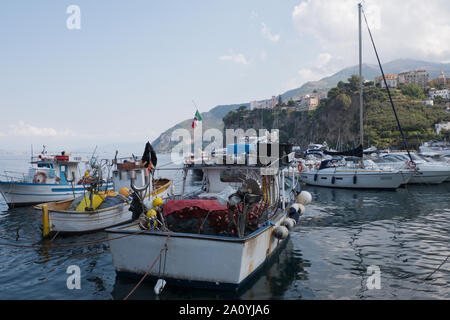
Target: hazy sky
{"points": [[134, 67]]}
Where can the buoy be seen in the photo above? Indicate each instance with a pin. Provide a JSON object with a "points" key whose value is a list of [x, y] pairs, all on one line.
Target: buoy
{"points": [[304, 197], [160, 284], [281, 232], [45, 221], [301, 209], [289, 223]]}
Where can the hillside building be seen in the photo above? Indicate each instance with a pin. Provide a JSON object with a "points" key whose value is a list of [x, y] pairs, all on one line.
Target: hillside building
{"points": [[445, 126], [445, 93], [442, 81], [309, 103], [419, 77], [391, 80]]}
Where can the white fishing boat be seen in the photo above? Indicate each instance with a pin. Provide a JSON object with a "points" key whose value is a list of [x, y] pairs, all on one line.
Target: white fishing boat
{"points": [[50, 178], [63, 217], [98, 209], [217, 237]]}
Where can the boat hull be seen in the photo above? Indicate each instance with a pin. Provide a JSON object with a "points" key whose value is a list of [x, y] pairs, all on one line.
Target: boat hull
{"points": [[193, 260], [26, 194], [64, 221], [79, 222], [430, 177], [364, 180]]}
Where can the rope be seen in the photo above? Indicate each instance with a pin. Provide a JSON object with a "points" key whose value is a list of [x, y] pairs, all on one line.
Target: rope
{"points": [[149, 269], [443, 262], [86, 243]]}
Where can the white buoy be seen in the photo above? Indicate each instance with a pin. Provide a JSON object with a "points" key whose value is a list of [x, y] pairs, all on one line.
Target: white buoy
{"points": [[281, 232], [160, 284], [304, 198], [301, 209], [289, 223]]}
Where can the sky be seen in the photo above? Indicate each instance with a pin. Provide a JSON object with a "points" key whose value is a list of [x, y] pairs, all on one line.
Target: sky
{"points": [[135, 68]]}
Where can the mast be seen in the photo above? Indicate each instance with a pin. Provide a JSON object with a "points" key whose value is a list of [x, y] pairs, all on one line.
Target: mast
{"points": [[360, 80]]}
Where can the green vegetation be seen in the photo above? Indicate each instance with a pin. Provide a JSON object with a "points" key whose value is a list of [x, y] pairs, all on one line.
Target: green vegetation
{"points": [[337, 118], [413, 92]]}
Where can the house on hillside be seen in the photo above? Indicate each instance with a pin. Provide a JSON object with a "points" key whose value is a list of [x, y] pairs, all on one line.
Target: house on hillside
{"points": [[442, 126], [309, 103], [419, 77], [441, 81], [391, 80], [445, 93]]}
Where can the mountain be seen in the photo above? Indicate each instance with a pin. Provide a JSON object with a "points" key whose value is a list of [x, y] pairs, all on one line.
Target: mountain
{"points": [[213, 118]]}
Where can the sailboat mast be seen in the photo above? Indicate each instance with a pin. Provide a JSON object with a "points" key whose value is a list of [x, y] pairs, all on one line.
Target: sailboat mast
{"points": [[360, 80]]}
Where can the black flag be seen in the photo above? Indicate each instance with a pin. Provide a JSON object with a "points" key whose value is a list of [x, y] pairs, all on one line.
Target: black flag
{"points": [[149, 155]]}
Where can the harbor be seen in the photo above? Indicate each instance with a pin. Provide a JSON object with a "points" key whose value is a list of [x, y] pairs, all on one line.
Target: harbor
{"points": [[326, 256], [336, 187]]}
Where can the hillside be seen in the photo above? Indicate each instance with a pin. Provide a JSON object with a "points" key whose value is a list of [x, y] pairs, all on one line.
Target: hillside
{"points": [[213, 118], [337, 118]]}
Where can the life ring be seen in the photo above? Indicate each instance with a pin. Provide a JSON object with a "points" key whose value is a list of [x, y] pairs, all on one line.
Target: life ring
{"points": [[40, 177], [410, 164], [300, 167]]}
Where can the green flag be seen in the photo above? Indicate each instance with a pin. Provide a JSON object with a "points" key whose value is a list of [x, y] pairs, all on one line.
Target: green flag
{"points": [[198, 116]]}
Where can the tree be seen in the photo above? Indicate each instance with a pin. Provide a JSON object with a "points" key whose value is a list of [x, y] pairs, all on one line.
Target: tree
{"points": [[413, 91], [280, 101], [439, 100], [354, 82], [343, 101], [291, 103], [242, 108]]}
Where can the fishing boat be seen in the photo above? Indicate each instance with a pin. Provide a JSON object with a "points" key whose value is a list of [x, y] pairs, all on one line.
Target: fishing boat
{"points": [[349, 169], [49, 178], [97, 208], [216, 237]]}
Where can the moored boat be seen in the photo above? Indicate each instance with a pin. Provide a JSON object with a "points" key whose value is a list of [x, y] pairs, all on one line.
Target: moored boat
{"points": [[98, 209], [217, 237], [50, 178]]}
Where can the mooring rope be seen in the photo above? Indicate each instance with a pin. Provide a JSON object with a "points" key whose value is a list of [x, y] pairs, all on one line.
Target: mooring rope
{"points": [[443, 262], [151, 267], [80, 244]]}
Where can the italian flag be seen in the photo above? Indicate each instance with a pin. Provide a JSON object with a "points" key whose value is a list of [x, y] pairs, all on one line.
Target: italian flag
{"points": [[197, 118]]}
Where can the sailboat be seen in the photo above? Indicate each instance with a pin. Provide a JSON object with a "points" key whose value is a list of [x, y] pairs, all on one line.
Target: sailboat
{"points": [[354, 171]]}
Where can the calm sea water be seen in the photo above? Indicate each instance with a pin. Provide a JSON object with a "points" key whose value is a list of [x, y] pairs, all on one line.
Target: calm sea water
{"points": [[406, 233]]}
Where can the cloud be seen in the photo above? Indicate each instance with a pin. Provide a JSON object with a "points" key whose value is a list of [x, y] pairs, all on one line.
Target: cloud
{"points": [[236, 58], [420, 30], [22, 129], [268, 34], [324, 65]]}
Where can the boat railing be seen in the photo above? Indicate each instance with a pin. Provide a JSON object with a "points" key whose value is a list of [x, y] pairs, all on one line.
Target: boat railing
{"points": [[13, 176]]}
